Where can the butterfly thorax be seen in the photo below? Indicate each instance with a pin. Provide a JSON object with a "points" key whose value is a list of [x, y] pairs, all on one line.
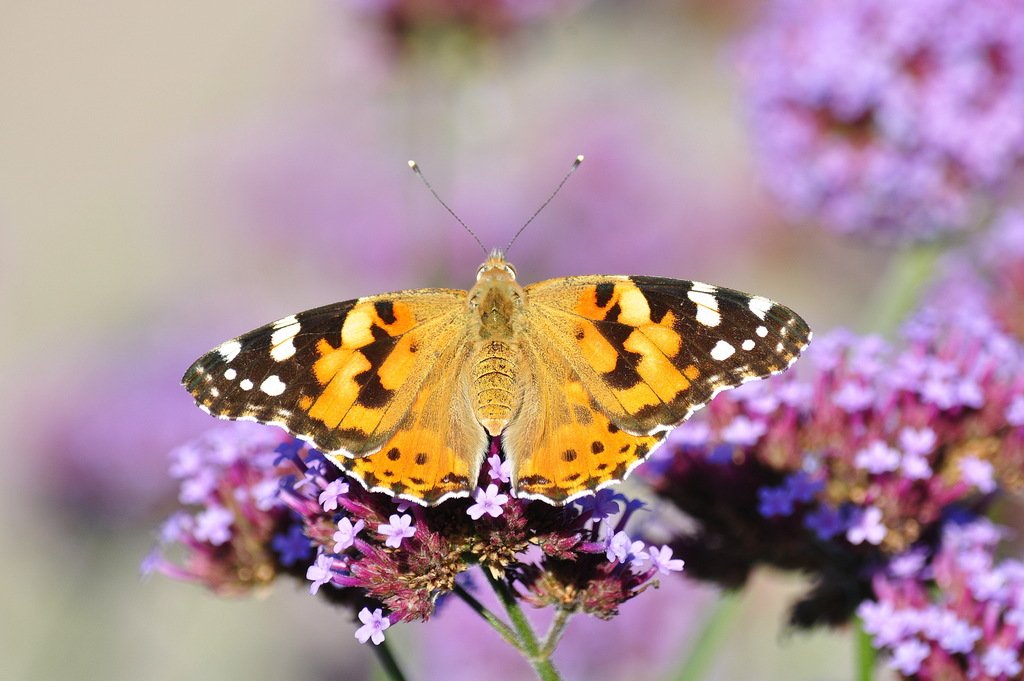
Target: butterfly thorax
{"points": [[496, 303]]}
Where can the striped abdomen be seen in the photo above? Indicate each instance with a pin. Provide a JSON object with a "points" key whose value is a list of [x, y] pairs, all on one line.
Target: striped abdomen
{"points": [[494, 393]]}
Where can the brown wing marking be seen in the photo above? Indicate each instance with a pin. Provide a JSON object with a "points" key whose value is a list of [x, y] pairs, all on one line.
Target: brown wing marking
{"points": [[437, 450]]}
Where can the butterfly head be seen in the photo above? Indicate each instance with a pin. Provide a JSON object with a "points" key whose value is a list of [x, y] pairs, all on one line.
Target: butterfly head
{"points": [[496, 268]]}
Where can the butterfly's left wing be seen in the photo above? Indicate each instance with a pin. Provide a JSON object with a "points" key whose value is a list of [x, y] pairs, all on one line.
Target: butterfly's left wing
{"points": [[646, 352], [377, 384]]}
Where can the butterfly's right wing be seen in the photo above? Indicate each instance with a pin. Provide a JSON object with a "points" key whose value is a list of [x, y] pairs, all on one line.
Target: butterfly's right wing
{"points": [[623, 360]]}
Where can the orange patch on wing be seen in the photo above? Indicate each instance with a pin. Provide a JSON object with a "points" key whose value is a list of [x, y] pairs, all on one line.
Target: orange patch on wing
{"points": [[654, 368], [404, 319], [336, 371], [581, 454], [587, 305], [691, 372], [396, 368], [634, 309], [417, 461], [664, 338], [595, 348], [636, 398]]}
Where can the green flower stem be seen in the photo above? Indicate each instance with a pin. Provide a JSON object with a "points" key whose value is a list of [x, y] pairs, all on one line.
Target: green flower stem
{"points": [[866, 653], [535, 654], [909, 271], [709, 642], [555, 632], [387, 661], [503, 629]]}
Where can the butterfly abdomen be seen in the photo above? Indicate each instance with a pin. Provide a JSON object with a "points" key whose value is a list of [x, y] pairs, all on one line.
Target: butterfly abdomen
{"points": [[494, 385]]}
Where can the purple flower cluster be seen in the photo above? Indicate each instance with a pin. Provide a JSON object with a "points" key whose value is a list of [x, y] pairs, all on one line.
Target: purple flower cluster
{"points": [[857, 456], [233, 542], [885, 118], [269, 505], [959, 617]]}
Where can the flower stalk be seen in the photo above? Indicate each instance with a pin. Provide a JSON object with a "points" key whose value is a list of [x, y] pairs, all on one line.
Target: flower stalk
{"points": [[538, 656]]}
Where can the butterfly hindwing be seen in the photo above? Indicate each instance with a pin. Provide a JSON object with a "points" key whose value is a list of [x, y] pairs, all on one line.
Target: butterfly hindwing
{"points": [[342, 376], [439, 446], [562, 444]]}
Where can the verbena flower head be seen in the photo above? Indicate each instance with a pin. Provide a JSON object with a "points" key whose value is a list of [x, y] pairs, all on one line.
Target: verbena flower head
{"points": [[886, 118], [266, 505], [856, 457], [235, 535], [959, 617]]}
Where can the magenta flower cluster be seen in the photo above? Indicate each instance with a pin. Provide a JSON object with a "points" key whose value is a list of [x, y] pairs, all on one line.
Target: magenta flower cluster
{"points": [[267, 505], [887, 118], [959, 617]]}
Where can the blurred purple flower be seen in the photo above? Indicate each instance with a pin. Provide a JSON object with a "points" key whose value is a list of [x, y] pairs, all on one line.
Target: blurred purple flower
{"points": [[887, 119], [232, 543], [103, 462], [405, 21]]}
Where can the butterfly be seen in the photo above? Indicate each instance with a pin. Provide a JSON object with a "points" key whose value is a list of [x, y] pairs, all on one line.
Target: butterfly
{"points": [[580, 378]]}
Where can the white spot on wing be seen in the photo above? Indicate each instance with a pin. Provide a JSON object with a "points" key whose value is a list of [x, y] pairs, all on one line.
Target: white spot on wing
{"points": [[722, 350], [272, 386], [701, 287], [230, 374], [707, 307], [762, 331], [229, 350], [286, 322], [747, 344], [281, 345], [245, 384], [760, 305]]}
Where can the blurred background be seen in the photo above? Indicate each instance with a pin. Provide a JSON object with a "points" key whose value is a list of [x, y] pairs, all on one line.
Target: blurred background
{"points": [[172, 174]]}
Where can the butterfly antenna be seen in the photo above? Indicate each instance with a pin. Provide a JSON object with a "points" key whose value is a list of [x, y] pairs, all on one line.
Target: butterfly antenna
{"points": [[416, 169], [575, 165]]}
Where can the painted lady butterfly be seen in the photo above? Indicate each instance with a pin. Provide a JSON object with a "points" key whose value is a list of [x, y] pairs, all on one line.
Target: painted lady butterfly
{"points": [[580, 377]]}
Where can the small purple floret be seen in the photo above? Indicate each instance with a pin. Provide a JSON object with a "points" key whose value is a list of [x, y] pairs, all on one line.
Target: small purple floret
{"points": [[397, 528], [488, 501], [374, 624]]}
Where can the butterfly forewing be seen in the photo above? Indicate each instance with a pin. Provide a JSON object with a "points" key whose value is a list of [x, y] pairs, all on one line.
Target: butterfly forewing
{"points": [[341, 377]]}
